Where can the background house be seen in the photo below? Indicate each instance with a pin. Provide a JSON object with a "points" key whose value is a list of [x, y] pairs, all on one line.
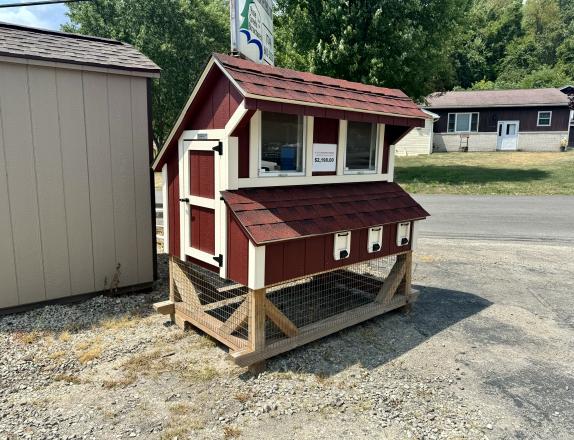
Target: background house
{"points": [[489, 120], [75, 203], [419, 140]]}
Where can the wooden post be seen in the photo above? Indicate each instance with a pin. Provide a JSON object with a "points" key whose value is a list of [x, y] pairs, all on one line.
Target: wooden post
{"points": [[405, 287], [256, 300], [171, 288]]}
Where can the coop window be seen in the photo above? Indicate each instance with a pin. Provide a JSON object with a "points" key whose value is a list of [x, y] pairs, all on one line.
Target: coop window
{"points": [[544, 119], [342, 245], [375, 242], [282, 145], [462, 122], [403, 234], [361, 155]]}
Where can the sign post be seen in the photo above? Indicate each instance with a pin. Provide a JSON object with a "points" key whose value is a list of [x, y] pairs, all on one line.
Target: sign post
{"points": [[252, 29]]}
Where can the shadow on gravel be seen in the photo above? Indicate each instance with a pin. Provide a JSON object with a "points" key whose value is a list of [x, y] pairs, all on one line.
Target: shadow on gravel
{"points": [[385, 338]]}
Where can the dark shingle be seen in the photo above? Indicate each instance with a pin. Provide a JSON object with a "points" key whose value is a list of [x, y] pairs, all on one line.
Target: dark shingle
{"points": [[31, 43]]}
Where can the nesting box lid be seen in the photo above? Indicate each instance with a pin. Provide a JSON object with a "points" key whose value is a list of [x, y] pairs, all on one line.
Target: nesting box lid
{"points": [[289, 212]]}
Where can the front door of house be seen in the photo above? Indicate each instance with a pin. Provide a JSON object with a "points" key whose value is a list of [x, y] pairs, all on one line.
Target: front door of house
{"points": [[507, 135], [198, 202]]}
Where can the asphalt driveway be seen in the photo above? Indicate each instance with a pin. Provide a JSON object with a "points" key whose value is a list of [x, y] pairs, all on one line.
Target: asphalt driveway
{"points": [[500, 218]]}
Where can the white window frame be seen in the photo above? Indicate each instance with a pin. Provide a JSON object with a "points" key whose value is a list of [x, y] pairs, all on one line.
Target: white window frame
{"points": [[377, 146], [260, 172], [538, 124], [469, 122]]}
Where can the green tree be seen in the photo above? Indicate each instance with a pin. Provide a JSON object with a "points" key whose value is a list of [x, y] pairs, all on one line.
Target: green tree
{"points": [[178, 35], [404, 44]]}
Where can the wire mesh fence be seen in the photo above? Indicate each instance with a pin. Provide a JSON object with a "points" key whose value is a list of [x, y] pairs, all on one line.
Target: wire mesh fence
{"points": [[223, 306]]}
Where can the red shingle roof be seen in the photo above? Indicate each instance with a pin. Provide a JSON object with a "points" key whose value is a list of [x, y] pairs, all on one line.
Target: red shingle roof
{"points": [[275, 83], [288, 212]]}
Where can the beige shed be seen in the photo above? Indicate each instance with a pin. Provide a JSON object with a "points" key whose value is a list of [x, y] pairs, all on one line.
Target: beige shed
{"points": [[76, 192], [419, 140]]}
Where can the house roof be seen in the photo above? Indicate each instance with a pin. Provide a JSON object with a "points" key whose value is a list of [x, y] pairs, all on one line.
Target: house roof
{"points": [[275, 83], [497, 98], [43, 45], [288, 212]]}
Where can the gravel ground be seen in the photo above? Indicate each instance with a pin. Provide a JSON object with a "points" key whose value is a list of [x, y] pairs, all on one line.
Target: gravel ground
{"points": [[487, 352]]}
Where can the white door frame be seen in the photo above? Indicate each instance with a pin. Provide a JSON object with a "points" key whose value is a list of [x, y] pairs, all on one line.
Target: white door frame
{"points": [[186, 145], [500, 135]]}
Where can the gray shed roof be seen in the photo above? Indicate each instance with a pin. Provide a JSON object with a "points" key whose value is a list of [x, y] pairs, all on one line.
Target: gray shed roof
{"points": [[44, 45], [497, 98]]}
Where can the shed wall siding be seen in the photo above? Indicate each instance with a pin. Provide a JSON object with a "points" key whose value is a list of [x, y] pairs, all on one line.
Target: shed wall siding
{"points": [[74, 183], [417, 142]]}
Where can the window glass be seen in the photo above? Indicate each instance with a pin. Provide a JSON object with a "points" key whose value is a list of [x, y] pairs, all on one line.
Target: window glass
{"points": [[544, 118], [474, 122], [281, 142], [511, 129], [463, 122], [361, 146], [451, 122]]}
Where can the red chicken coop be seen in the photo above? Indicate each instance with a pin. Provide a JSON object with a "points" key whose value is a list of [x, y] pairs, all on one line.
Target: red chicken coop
{"points": [[283, 223]]}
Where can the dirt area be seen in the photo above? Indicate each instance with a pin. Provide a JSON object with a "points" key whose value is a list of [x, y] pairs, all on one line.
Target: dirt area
{"points": [[487, 352]]}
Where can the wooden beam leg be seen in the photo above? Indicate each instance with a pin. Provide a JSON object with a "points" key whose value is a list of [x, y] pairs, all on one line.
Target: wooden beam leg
{"points": [[281, 321], [393, 281], [256, 300], [237, 318]]}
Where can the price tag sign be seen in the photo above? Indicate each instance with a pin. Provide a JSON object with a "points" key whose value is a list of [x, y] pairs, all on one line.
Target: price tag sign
{"points": [[324, 157]]}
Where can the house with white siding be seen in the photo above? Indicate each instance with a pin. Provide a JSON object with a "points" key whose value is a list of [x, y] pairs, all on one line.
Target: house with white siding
{"points": [[75, 183]]}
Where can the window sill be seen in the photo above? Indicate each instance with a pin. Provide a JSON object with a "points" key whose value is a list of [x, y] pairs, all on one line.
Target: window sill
{"points": [[286, 174], [351, 172]]}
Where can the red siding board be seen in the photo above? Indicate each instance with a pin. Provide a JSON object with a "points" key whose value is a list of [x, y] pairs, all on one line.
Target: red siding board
{"points": [[326, 131], [203, 229], [202, 173], [220, 102], [173, 203], [243, 153], [238, 252], [315, 254], [294, 259], [274, 263]]}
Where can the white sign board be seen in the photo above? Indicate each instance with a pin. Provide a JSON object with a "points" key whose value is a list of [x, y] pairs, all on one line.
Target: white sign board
{"points": [[324, 158], [252, 29]]}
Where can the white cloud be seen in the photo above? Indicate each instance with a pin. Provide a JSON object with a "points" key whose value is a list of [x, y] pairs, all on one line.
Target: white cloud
{"points": [[46, 16]]}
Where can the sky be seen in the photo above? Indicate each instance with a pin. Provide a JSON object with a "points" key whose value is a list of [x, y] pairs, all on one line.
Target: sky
{"points": [[46, 16]]}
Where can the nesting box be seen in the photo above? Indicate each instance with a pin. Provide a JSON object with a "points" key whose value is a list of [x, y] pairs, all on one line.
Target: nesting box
{"points": [[283, 221]]}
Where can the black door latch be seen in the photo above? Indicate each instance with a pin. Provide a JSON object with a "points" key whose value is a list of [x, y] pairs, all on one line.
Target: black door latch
{"points": [[186, 200]]}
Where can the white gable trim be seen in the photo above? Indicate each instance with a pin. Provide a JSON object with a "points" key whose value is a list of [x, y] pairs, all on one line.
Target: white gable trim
{"points": [[183, 113]]}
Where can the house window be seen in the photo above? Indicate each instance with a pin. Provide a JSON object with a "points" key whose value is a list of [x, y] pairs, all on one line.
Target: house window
{"points": [[544, 119], [282, 149], [361, 154], [462, 122]]}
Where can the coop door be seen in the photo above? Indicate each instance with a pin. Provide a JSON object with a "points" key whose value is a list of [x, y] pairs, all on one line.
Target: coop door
{"points": [[200, 164], [507, 135]]}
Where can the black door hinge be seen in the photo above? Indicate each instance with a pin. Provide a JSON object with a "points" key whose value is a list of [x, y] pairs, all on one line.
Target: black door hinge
{"points": [[219, 148], [219, 260]]}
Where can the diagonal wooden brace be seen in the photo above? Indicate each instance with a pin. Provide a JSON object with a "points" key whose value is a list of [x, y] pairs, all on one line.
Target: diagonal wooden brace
{"points": [[237, 319], [281, 321], [394, 280]]}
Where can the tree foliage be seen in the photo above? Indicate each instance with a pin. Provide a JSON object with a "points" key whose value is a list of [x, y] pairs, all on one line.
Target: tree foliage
{"points": [[419, 46], [178, 35], [404, 44]]}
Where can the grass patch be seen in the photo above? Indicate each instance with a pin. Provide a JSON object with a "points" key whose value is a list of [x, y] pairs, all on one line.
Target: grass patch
{"points": [[181, 426], [143, 363], [199, 373], [504, 173], [118, 383], [231, 432], [68, 378], [180, 409], [92, 353], [123, 322], [28, 337], [65, 336]]}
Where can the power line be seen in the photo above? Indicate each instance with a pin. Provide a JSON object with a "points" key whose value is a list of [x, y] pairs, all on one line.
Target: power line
{"points": [[42, 2]]}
